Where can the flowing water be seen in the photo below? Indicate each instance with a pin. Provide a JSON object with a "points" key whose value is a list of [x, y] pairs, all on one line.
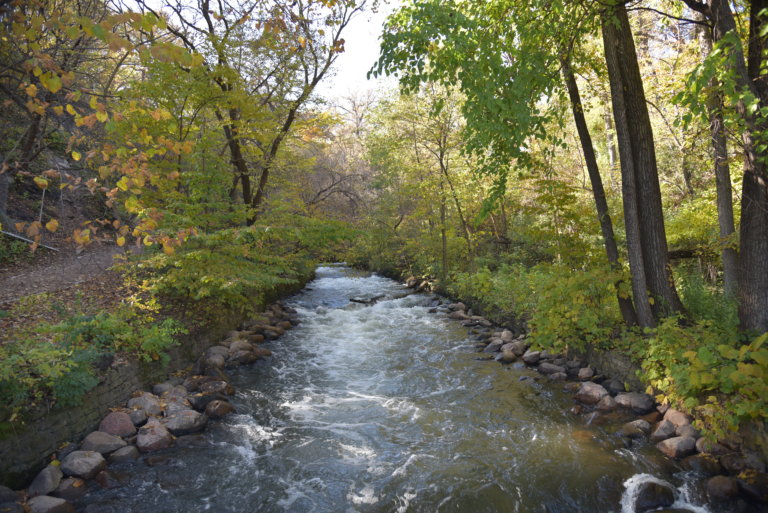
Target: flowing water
{"points": [[388, 408]]}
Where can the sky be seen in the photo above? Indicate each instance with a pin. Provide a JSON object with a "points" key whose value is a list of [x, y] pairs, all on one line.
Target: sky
{"points": [[361, 49]]}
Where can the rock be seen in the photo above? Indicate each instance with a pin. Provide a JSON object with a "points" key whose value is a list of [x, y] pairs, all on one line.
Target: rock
{"points": [[46, 481], [161, 388], [637, 402], [241, 357], [127, 453], [635, 429], [256, 338], [153, 437], [285, 325], [217, 350], [506, 355], [261, 352], [722, 487], [557, 377], [494, 346], [83, 464], [453, 307], [118, 423], [48, 504], [217, 387], [708, 447], [138, 417], [606, 404], [240, 345], [677, 447], [507, 336], [106, 480], [704, 464], [102, 442], [576, 410], [71, 489], [545, 355], [458, 315], [192, 441], [217, 409], [175, 393], [754, 485], [687, 430], [192, 383], [590, 393], [614, 386], [652, 418], [210, 364], [550, 368], [586, 374], [200, 400], [148, 403], [531, 357], [185, 422], [518, 347], [652, 496], [677, 418], [733, 463], [7, 495], [663, 430]]}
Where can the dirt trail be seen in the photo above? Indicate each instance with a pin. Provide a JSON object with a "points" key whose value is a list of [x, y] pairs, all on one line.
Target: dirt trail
{"points": [[55, 271]]}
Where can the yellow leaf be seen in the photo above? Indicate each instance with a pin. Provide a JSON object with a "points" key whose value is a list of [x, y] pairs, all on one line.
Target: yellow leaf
{"points": [[93, 102], [31, 90], [52, 225], [41, 182], [168, 249], [102, 116], [76, 155], [121, 241], [58, 110], [71, 109]]}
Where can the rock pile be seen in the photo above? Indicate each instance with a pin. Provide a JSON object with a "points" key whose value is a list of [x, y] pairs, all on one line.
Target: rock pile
{"points": [[150, 421]]}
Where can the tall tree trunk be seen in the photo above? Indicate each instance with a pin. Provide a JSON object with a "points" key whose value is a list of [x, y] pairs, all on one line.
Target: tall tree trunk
{"points": [[443, 236], [603, 215], [646, 238], [722, 176], [610, 141], [753, 232]]}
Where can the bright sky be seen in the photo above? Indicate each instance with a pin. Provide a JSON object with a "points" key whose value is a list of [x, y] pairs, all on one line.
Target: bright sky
{"points": [[361, 51]]}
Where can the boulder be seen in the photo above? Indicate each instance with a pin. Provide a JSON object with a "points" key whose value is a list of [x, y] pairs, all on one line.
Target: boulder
{"points": [[83, 464], [71, 489], [733, 462], [493, 346], [635, 429], [107, 480], [677, 418], [240, 345], [453, 307], [551, 368], [148, 403], [590, 393], [663, 430], [606, 404], [118, 423], [506, 355], [192, 383], [652, 418], [217, 387], [217, 409], [210, 364], [586, 374], [153, 437], [11, 507], [754, 485], [138, 417], [46, 481], [507, 336], [161, 388], [127, 453], [217, 350], [557, 377], [704, 464], [185, 422], [458, 315], [687, 430], [200, 400], [102, 442], [531, 357], [241, 357], [652, 496], [518, 347], [614, 386], [677, 447], [722, 488], [48, 504], [261, 352], [637, 402]]}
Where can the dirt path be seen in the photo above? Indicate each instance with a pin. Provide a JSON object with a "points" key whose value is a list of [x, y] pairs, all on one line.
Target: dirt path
{"points": [[54, 272]]}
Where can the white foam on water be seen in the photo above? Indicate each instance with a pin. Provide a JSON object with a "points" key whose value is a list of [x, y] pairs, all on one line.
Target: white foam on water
{"points": [[633, 485], [365, 496], [405, 500]]}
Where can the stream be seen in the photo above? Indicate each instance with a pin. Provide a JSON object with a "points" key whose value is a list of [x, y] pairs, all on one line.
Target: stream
{"points": [[390, 408]]}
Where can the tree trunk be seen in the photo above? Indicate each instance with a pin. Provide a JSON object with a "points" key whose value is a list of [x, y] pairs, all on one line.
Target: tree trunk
{"points": [[646, 238], [603, 215], [722, 177], [753, 233], [610, 142], [443, 235]]}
